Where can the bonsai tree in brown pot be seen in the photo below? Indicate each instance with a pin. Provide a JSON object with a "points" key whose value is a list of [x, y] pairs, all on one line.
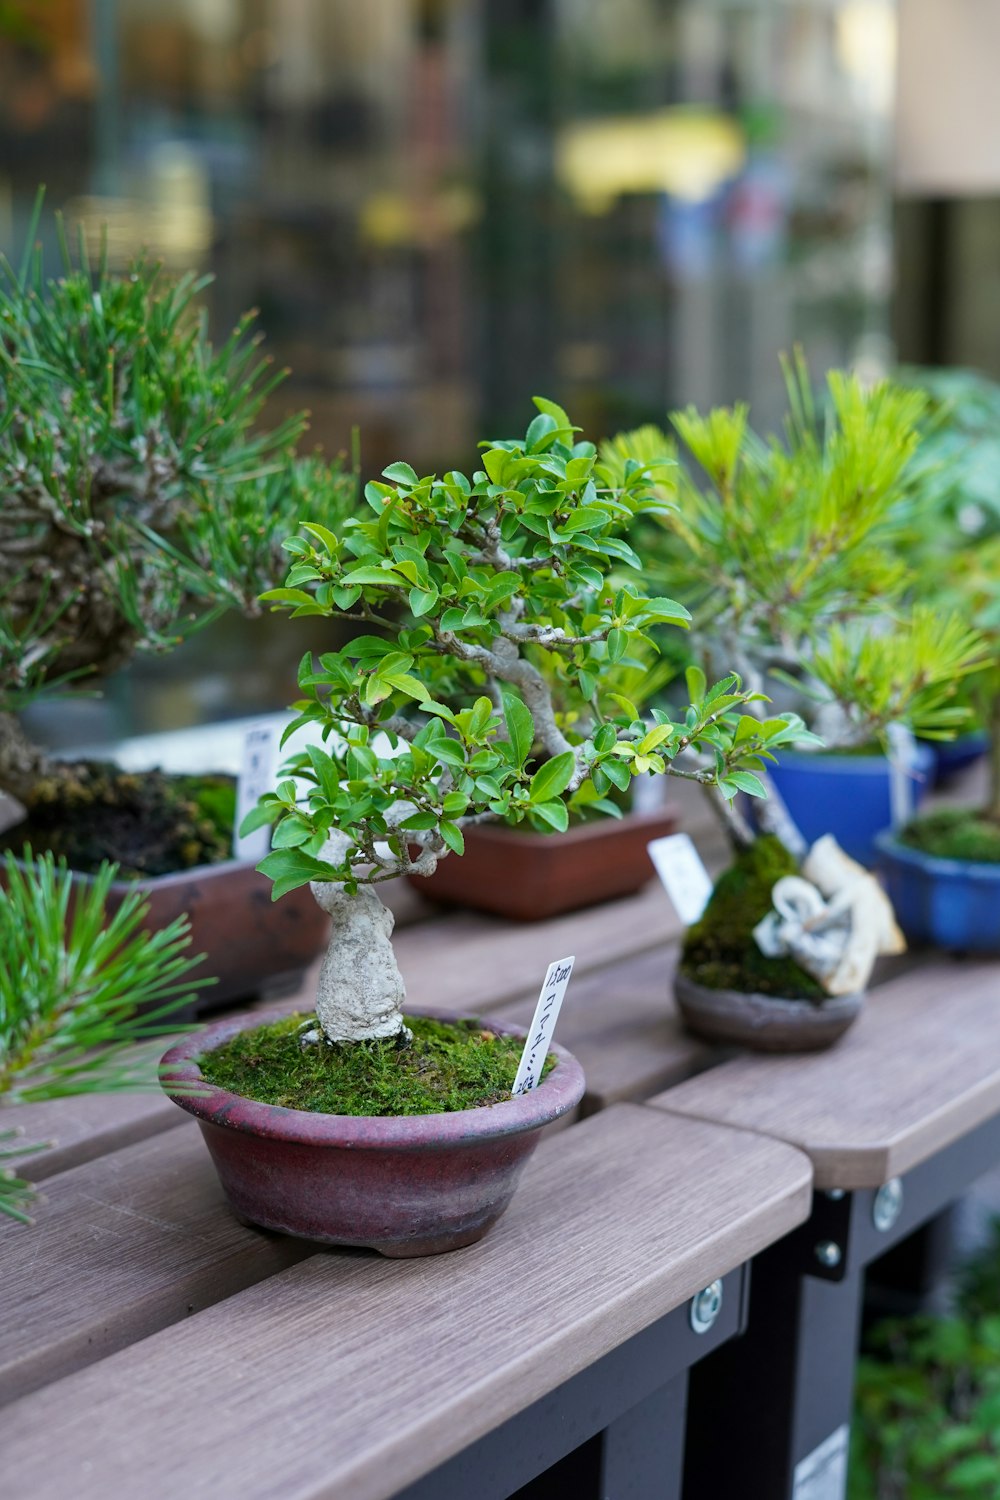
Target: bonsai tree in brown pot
{"points": [[140, 499], [482, 599], [85, 997], [787, 552]]}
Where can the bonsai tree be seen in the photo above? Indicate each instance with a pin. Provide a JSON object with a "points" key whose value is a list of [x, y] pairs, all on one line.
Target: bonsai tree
{"points": [[79, 995], [789, 555], [483, 601], [788, 552], [140, 497]]}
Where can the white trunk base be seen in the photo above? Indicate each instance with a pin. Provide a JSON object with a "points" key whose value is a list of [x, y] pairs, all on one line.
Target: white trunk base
{"points": [[360, 992]]}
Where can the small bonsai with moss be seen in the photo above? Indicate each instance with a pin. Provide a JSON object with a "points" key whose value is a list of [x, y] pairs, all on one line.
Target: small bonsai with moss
{"points": [[484, 601], [79, 995], [140, 499], [786, 554], [952, 547]]}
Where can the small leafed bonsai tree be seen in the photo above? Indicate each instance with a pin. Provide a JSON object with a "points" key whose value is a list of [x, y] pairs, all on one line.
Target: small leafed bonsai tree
{"points": [[80, 994], [789, 554], [482, 601], [140, 500]]}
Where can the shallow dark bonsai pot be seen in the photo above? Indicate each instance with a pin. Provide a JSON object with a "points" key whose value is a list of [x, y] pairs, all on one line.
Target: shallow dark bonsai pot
{"points": [[250, 942], [952, 903], [764, 1023], [405, 1186], [530, 877]]}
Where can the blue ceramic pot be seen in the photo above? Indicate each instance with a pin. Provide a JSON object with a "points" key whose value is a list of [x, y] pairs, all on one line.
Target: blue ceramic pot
{"points": [[846, 795], [953, 903]]}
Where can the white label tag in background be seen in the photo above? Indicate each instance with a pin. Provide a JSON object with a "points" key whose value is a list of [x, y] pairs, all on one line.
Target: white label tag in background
{"points": [[902, 766], [536, 1048], [257, 775], [684, 877], [822, 1474]]}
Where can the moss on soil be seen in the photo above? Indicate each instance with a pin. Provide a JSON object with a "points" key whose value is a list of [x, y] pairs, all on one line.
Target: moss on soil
{"points": [[448, 1066], [148, 822], [719, 950], [955, 833]]}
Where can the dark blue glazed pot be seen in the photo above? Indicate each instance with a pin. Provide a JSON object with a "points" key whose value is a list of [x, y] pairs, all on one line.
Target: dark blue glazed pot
{"points": [[846, 795], [952, 903]]}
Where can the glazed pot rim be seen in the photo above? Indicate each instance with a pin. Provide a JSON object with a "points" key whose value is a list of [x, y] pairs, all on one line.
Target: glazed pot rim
{"points": [[982, 870], [558, 1093], [850, 764]]}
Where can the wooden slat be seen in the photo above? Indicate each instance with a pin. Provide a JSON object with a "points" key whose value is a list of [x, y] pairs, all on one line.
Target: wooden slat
{"points": [[349, 1377], [485, 962], [623, 1026], [919, 1069], [122, 1247], [82, 1129]]}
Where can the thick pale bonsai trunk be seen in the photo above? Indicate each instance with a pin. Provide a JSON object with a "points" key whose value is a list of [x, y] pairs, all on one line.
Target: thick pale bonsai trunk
{"points": [[360, 993]]}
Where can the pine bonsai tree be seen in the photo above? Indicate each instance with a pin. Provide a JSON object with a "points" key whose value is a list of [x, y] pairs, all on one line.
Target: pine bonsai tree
{"points": [[484, 600], [139, 496], [79, 994], [790, 556]]}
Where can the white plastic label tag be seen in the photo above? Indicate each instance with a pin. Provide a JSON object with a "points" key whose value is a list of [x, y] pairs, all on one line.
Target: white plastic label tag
{"points": [[902, 765], [543, 1023], [822, 1474], [683, 875], [257, 775]]}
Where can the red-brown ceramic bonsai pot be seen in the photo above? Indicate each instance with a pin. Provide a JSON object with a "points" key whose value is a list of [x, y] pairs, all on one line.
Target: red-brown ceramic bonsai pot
{"points": [[405, 1185], [531, 877]]}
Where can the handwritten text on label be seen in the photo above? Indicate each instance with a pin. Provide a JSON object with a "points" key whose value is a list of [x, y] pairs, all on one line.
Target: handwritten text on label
{"points": [[543, 1023]]}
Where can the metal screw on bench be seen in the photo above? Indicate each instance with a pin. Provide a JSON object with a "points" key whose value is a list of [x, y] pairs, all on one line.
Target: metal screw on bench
{"points": [[705, 1307], [828, 1254], [887, 1205]]}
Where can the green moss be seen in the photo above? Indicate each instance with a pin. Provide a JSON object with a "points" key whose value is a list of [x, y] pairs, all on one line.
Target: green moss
{"points": [[955, 833], [149, 823], [719, 950], [448, 1066]]}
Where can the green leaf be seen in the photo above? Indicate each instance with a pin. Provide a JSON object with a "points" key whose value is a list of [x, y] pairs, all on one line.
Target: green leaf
{"points": [[420, 820], [618, 772], [552, 778], [665, 609], [453, 837], [401, 473], [423, 600], [556, 814], [520, 725], [586, 518], [747, 782], [627, 707], [697, 684], [257, 817], [617, 644]]}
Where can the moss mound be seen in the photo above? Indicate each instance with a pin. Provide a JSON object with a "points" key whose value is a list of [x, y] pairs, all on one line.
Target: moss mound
{"points": [[955, 833], [148, 822], [448, 1066], [719, 950]]}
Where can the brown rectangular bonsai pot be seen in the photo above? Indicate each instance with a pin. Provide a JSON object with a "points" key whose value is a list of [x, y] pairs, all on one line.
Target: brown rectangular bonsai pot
{"points": [[530, 877], [251, 943]]}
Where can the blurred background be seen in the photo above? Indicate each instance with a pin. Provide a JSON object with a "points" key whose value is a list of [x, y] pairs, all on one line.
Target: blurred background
{"points": [[441, 207]]}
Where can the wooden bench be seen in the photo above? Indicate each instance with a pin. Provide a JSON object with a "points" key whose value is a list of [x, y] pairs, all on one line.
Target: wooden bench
{"points": [[898, 1120], [168, 1350]]}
